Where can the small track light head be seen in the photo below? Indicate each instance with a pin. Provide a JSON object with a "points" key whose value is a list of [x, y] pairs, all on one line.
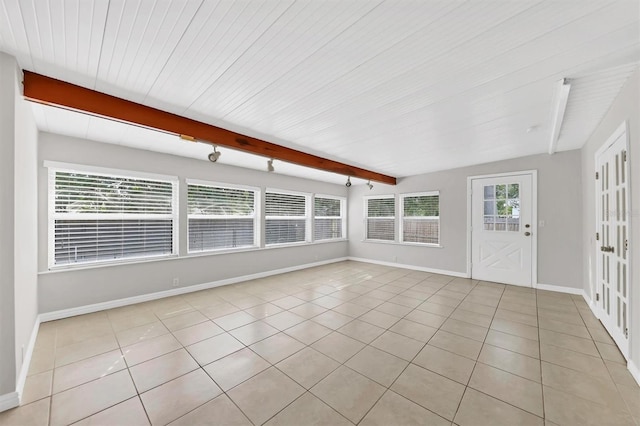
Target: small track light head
{"points": [[369, 185], [214, 156], [348, 184], [270, 165]]}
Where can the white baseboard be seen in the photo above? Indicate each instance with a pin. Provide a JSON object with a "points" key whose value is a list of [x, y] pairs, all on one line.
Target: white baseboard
{"points": [[26, 362], [635, 372], [559, 289], [8, 401], [412, 267], [87, 309]]}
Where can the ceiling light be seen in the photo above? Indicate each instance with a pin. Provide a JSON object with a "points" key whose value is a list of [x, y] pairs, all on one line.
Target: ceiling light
{"points": [[348, 184], [369, 185], [270, 165], [559, 106], [213, 157]]}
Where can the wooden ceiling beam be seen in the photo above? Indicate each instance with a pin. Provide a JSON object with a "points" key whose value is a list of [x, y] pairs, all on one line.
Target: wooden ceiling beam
{"points": [[46, 90]]}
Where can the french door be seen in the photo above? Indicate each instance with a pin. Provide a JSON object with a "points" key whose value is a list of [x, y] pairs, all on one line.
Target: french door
{"points": [[612, 238], [502, 228]]}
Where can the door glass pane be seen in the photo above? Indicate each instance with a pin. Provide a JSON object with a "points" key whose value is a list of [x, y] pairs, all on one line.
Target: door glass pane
{"points": [[489, 208], [501, 191], [489, 192]]}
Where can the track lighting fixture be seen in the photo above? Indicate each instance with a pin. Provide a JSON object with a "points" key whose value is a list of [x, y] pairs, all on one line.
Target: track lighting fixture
{"points": [[213, 157], [369, 185], [270, 165], [348, 184]]}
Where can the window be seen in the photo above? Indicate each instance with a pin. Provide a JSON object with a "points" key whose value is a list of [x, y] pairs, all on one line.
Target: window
{"points": [[220, 217], [286, 217], [328, 218], [99, 217], [420, 218], [381, 215], [502, 207]]}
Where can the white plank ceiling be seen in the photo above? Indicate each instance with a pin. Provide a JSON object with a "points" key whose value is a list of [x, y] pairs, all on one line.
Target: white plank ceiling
{"points": [[401, 87]]}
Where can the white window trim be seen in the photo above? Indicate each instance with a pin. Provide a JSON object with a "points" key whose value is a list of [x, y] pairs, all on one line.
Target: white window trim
{"points": [[402, 217], [256, 215], [54, 166], [343, 213], [308, 235], [366, 199]]}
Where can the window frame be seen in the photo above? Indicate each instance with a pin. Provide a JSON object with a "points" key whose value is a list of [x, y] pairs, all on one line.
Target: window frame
{"points": [[366, 199], [256, 215], [342, 217], [402, 217], [308, 217], [53, 167]]}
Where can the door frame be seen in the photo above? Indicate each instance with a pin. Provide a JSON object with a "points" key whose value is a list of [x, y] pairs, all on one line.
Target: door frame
{"points": [[623, 128], [534, 219]]}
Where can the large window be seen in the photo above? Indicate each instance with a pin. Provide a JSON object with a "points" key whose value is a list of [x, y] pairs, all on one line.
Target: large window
{"points": [[220, 217], [420, 218], [328, 218], [286, 217], [100, 217], [380, 214]]}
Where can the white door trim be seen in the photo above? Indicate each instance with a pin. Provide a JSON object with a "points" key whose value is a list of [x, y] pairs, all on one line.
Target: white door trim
{"points": [[622, 129], [534, 218]]}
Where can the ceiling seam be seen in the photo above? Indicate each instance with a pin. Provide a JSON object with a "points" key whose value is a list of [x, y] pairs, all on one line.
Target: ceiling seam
{"points": [[305, 59], [104, 32], [373, 89], [186, 28], [126, 47], [241, 55], [458, 94]]}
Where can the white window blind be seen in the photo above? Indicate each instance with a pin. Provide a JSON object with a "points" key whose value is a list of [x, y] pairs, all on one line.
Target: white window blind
{"points": [[286, 218], [220, 217], [381, 218], [102, 217], [328, 218], [421, 218]]}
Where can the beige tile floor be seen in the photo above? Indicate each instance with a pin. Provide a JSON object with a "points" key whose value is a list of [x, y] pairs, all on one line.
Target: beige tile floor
{"points": [[347, 343]]}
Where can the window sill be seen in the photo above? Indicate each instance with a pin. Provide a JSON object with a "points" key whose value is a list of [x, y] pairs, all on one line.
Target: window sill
{"points": [[398, 243], [106, 264], [84, 267]]}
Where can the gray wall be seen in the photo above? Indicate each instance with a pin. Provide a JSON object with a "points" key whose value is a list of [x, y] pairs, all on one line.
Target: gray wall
{"points": [[7, 274], [559, 205], [625, 107], [26, 224], [73, 288], [18, 222]]}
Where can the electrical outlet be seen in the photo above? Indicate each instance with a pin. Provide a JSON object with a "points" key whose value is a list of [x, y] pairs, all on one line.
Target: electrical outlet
{"points": [[176, 282]]}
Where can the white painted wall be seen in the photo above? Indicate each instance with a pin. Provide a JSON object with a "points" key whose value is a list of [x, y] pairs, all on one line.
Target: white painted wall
{"points": [[625, 107], [18, 224], [559, 205], [73, 288], [26, 223], [7, 274]]}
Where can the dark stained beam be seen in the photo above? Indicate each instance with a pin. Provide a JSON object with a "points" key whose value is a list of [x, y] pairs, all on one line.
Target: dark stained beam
{"points": [[46, 90]]}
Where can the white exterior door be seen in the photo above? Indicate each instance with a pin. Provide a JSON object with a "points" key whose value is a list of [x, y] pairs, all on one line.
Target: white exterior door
{"points": [[612, 244], [502, 230]]}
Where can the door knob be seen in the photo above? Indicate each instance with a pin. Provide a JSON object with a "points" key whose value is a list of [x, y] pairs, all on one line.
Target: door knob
{"points": [[526, 234]]}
